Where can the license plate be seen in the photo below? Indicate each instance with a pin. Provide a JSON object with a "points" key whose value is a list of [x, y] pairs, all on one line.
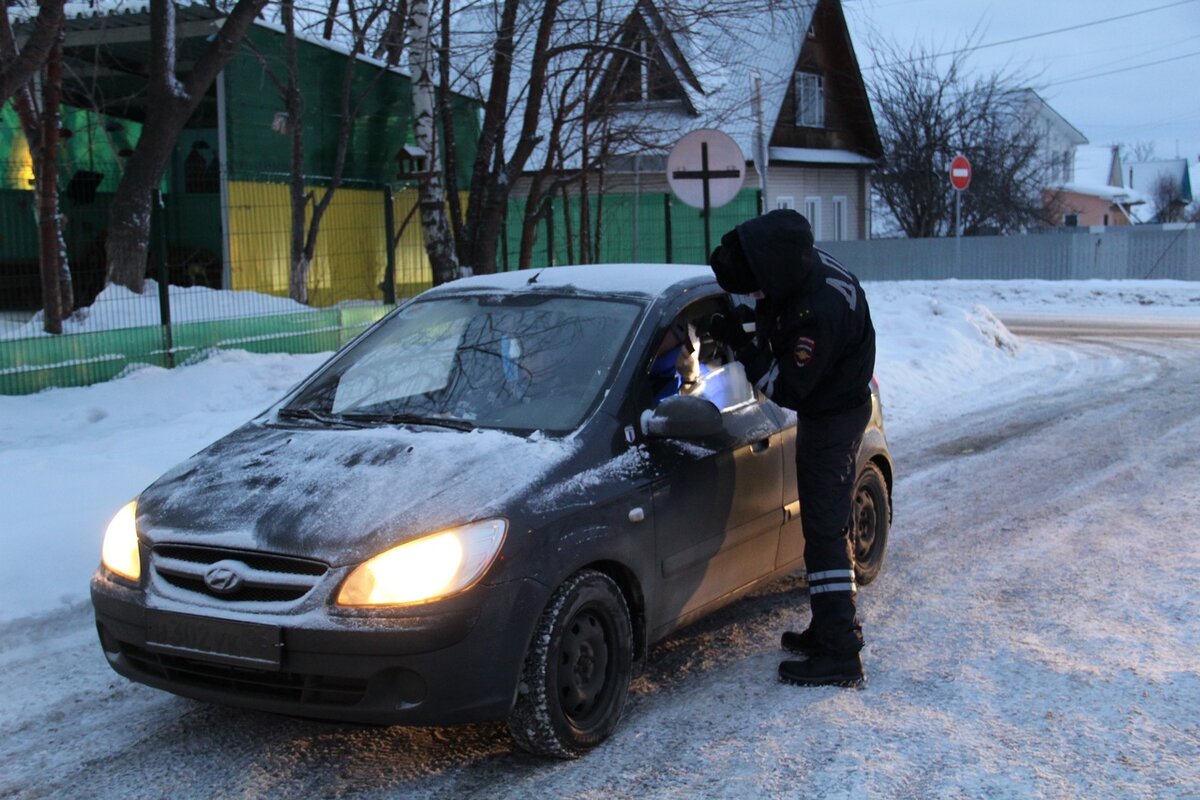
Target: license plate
{"points": [[242, 644]]}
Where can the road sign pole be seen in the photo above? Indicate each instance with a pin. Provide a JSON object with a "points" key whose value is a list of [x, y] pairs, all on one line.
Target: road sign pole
{"points": [[957, 234], [707, 200]]}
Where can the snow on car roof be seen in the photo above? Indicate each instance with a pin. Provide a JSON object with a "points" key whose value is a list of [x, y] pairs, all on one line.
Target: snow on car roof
{"points": [[645, 279]]}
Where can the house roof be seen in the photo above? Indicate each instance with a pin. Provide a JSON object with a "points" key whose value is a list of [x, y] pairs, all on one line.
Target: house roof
{"points": [[1041, 108], [719, 52], [812, 155], [1146, 175], [1097, 165], [727, 53]]}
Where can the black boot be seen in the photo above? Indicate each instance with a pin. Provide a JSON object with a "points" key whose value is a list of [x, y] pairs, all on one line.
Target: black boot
{"points": [[802, 644], [825, 669]]}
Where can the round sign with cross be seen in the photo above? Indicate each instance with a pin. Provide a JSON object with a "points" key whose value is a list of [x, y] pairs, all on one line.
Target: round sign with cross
{"points": [[960, 173], [706, 169]]}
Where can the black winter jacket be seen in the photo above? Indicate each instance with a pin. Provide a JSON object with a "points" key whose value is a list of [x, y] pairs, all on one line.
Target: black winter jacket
{"points": [[814, 344]]}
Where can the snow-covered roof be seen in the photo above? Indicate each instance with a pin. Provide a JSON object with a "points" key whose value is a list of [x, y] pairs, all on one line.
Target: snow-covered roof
{"points": [[1039, 107], [813, 155], [1146, 175], [1115, 194], [717, 50], [1097, 165], [727, 53], [612, 279]]}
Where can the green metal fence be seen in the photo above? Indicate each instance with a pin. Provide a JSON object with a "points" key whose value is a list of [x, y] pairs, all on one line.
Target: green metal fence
{"points": [[206, 289]]}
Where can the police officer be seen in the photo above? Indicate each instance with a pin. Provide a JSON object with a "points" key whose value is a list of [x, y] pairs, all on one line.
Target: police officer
{"points": [[813, 351]]}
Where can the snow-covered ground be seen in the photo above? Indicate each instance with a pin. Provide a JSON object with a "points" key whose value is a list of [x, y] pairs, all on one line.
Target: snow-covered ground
{"points": [[117, 307], [1033, 633], [69, 458]]}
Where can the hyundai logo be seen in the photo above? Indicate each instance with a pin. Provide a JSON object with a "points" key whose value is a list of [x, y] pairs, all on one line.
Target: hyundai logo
{"points": [[225, 577]]}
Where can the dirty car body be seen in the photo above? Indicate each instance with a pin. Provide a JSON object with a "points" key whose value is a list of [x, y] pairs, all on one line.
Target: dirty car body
{"points": [[487, 506]]}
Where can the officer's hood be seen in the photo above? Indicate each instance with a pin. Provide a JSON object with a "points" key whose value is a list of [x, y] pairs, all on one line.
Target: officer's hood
{"points": [[779, 249]]}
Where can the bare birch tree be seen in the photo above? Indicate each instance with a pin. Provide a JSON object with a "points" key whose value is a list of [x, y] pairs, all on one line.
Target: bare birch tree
{"points": [[439, 244]]}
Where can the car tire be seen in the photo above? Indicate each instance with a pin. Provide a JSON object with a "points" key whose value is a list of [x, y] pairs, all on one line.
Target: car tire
{"points": [[870, 521], [576, 674]]}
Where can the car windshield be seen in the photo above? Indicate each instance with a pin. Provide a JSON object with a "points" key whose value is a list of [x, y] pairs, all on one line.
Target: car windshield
{"points": [[522, 361]]}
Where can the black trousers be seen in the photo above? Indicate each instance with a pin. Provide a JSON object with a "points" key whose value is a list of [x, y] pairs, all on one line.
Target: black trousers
{"points": [[826, 450]]}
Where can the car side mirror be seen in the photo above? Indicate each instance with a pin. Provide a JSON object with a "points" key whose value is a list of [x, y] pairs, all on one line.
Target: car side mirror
{"points": [[682, 417]]}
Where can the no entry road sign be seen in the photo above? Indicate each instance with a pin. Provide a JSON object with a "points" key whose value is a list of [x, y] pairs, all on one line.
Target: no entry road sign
{"points": [[960, 173]]}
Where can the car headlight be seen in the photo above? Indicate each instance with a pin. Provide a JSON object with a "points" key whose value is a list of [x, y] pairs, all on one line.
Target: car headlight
{"points": [[119, 553], [425, 569]]}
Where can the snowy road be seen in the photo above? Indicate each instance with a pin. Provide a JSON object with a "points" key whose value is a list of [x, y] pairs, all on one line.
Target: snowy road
{"points": [[1034, 633]]}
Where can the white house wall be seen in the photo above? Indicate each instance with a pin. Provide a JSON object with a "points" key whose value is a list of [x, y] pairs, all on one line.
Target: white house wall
{"points": [[826, 183]]}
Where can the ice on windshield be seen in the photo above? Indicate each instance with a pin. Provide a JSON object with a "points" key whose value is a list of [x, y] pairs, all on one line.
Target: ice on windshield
{"points": [[509, 361]]}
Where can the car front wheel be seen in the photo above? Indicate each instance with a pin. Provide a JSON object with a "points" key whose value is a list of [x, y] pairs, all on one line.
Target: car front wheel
{"points": [[870, 522], [576, 673]]}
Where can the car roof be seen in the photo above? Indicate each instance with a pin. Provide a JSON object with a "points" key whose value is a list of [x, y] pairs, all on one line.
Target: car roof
{"points": [[650, 280]]}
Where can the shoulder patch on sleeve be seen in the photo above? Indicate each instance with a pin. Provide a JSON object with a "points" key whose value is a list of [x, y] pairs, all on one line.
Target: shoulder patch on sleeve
{"points": [[802, 351]]}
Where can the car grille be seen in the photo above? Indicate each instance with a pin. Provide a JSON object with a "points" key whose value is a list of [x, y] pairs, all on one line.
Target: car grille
{"points": [[264, 577], [291, 686]]}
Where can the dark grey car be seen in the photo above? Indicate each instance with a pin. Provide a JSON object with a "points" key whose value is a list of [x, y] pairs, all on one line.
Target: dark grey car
{"points": [[488, 506]]}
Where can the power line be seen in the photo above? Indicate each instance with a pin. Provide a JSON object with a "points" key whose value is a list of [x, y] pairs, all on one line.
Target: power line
{"points": [[1123, 69], [1027, 37]]}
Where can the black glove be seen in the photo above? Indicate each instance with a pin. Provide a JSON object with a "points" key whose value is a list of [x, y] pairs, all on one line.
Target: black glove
{"points": [[728, 330]]}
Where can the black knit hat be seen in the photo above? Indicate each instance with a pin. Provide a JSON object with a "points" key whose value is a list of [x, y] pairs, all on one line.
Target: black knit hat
{"points": [[729, 265]]}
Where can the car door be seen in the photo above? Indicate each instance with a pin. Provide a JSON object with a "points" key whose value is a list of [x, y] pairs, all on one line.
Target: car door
{"points": [[717, 503]]}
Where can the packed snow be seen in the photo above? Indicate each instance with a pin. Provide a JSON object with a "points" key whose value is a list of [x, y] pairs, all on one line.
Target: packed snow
{"points": [[118, 307], [1033, 632], [939, 343]]}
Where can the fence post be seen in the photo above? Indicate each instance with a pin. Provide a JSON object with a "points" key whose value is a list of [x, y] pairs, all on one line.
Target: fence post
{"points": [[389, 226], [549, 233], [159, 235], [667, 223]]}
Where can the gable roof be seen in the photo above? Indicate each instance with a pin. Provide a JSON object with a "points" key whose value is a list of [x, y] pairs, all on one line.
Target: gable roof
{"points": [[717, 51], [1146, 176], [728, 53], [1038, 107]]}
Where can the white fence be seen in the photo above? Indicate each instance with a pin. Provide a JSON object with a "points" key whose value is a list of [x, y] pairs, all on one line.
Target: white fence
{"points": [[1139, 252]]}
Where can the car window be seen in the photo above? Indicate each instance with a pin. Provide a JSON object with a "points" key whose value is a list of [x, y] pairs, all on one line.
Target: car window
{"points": [[522, 361], [718, 377]]}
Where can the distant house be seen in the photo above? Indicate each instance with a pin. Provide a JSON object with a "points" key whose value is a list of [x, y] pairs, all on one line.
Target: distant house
{"points": [[1095, 193], [780, 78], [1166, 184], [1058, 137]]}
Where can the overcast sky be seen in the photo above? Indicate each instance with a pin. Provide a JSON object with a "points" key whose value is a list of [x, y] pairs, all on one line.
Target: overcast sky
{"points": [[1159, 103]]}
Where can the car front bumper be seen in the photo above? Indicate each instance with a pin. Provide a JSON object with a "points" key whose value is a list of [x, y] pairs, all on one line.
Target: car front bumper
{"points": [[456, 663]]}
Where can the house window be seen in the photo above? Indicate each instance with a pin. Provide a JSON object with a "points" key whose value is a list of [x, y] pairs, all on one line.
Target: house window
{"points": [[646, 77], [810, 100], [1071, 220], [841, 220], [812, 210], [787, 201]]}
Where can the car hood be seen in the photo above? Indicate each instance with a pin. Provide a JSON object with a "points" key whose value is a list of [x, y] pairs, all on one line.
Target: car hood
{"points": [[341, 495]]}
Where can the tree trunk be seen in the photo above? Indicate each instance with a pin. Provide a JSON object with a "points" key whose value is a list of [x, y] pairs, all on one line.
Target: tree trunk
{"points": [[171, 104], [299, 264], [51, 254], [438, 242], [17, 69]]}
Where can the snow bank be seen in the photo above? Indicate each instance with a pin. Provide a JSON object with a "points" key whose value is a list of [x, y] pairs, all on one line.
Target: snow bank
{"points": [[118, 307], [69, 458]]}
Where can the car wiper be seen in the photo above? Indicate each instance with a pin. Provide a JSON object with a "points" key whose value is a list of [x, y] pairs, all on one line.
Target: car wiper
{"points": [[413, 419], [317, 416]]}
